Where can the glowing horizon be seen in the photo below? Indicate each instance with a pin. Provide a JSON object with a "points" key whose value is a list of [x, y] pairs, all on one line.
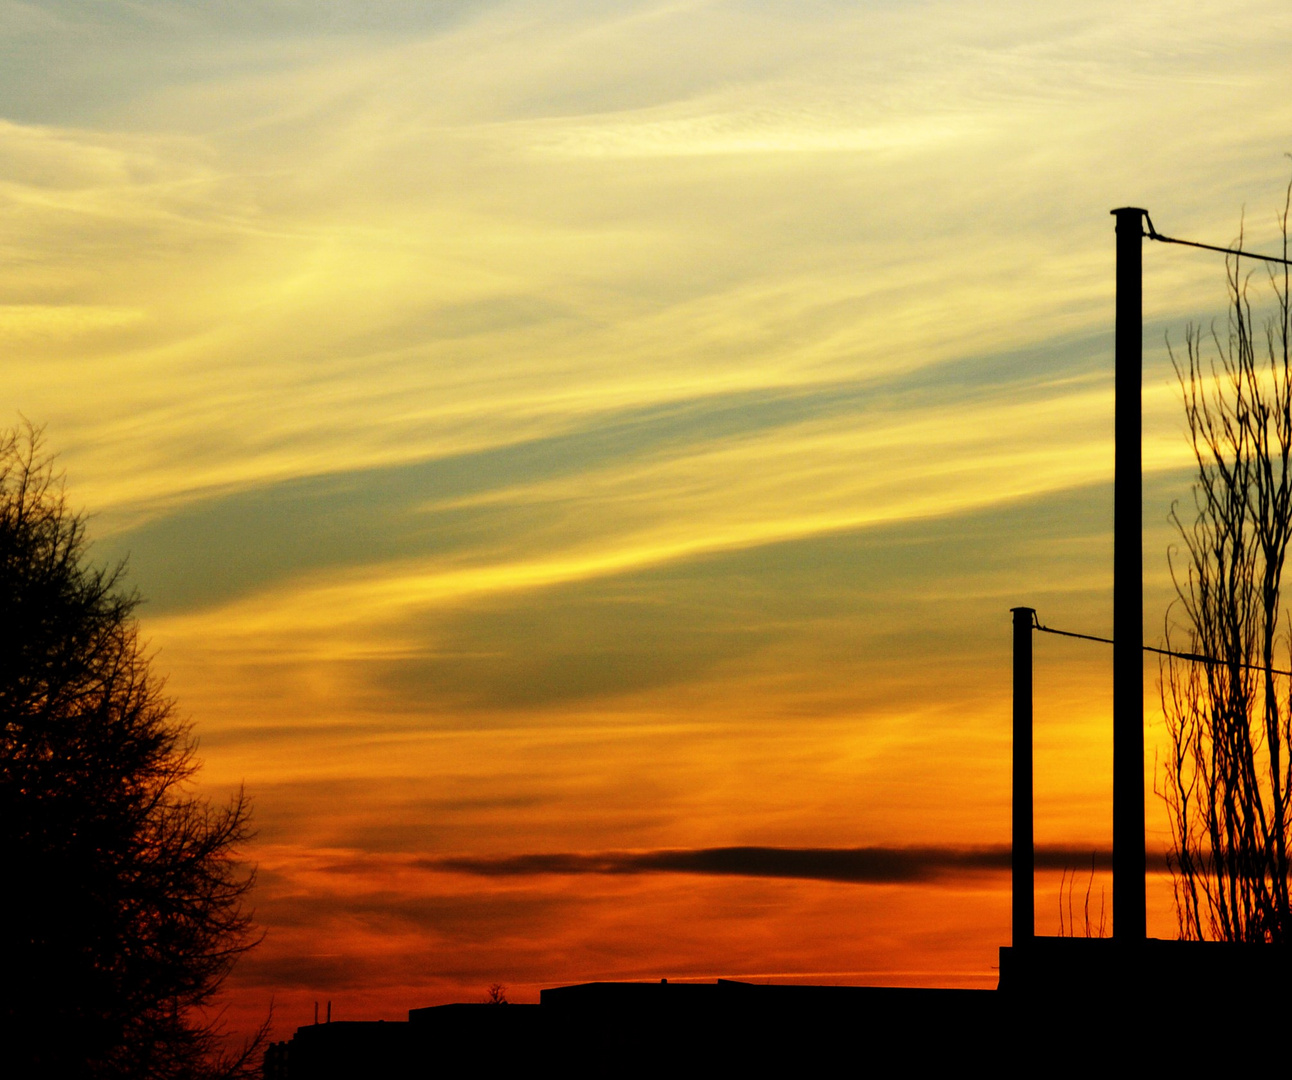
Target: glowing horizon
{"points": [[545, 429]]}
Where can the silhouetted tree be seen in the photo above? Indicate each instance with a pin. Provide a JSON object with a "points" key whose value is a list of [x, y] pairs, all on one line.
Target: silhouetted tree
{"points": [[123, 901], [1229, 777]]}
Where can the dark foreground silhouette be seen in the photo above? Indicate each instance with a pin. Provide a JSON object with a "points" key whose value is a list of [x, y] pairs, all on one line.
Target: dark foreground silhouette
{"points": [[1063, 1004]]}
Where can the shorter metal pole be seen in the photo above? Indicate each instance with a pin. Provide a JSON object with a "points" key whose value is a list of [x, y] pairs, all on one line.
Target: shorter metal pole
{"points": [[1022, 852]]}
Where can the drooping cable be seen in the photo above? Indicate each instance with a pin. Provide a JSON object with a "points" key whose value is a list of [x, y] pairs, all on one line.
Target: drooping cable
{"points": [[1153, 234], [1196, 658]]}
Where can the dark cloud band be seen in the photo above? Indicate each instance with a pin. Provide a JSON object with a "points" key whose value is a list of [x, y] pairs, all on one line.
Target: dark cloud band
{"points": [[873, 865]]}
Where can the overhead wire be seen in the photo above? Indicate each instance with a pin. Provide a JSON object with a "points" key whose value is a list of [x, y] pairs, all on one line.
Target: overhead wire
{"points": [[1197, 658], [1153, 234]]}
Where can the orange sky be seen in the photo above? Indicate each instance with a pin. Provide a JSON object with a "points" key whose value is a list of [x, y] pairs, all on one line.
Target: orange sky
{"points": [[552, 429]]}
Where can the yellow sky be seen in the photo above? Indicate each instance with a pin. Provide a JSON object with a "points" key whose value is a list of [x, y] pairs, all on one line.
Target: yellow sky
{"points": [[572, 427]]}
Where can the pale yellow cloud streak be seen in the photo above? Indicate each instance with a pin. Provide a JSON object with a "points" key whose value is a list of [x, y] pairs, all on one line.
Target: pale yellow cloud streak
{"points": [[822, 478], [283, 293], [372, 251]]}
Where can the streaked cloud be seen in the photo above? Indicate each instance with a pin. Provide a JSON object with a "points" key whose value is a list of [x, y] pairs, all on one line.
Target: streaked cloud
{"points": [[870, 865], [561, 428]]}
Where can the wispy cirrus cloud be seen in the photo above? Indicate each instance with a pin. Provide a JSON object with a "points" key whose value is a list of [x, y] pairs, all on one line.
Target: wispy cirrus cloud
{"points": [[619, 431]]}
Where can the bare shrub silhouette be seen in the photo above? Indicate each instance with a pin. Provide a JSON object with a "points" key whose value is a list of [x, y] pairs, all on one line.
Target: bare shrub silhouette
{"points": [[1227, 779], [1068, 926]]}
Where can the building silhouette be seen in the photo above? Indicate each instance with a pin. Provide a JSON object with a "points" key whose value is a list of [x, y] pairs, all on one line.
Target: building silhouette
{"points": [[1062, 1004]]}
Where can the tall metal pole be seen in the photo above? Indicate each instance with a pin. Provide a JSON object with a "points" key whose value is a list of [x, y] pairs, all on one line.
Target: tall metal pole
{"points": [[1129, 923], [1022, 851]]}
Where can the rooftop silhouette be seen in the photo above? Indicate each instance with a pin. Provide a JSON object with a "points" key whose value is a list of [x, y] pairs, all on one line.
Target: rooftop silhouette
{"points": [[1117, 995]]}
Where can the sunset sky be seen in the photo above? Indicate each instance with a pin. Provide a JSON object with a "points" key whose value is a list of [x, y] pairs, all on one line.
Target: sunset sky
{"points": [[556, 440]]}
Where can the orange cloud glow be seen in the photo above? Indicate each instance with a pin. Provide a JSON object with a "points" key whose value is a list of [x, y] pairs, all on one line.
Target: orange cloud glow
{"points": [[551, 431]]}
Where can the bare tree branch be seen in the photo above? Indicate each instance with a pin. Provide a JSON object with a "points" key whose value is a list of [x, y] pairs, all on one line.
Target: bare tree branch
{"points": [[1227, 779]]}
